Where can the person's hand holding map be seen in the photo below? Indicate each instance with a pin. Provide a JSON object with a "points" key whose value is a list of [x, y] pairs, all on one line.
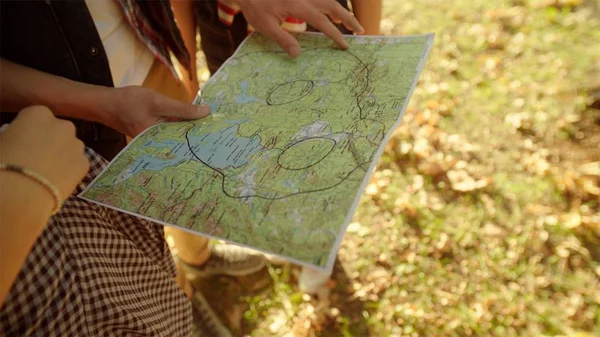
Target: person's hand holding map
{"points": [[136, 109], [266, 17]]}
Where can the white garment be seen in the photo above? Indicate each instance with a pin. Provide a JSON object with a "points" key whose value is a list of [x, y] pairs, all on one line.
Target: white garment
{"points": [[129, 59]]}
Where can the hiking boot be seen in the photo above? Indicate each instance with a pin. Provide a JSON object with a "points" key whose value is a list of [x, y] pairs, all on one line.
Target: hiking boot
{"points": [[227, 260]]}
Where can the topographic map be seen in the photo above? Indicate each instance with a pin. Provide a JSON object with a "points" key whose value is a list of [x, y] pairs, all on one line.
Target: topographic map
{"points": [[282, 161]]}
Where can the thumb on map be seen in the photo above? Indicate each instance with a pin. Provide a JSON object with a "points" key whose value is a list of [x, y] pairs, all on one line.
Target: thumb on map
{"points": [[173, 109]]}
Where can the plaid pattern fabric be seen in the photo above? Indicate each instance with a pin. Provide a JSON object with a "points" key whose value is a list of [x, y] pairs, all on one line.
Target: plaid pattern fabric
{"points": [[96, 272], [228, 10], [154, 23]]}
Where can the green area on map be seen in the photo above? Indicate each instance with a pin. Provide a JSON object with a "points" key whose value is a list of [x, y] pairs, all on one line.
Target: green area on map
{"points": [[280, 163]]}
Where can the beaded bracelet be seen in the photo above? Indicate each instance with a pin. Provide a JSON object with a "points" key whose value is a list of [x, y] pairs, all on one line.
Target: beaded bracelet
{"points": [[43, 181]]}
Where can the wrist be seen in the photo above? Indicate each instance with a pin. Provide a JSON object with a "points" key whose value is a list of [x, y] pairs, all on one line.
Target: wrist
{"points": [[20, 194], [90, 102], [102, 103]]}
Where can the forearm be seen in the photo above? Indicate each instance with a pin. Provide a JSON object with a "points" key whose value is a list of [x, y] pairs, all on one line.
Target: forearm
{"points": [[22, 86], [25, 208], [368, 13]]}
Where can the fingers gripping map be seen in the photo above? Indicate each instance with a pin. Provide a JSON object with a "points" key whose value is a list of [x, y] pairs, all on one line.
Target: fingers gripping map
{"points": [[282, 161]]}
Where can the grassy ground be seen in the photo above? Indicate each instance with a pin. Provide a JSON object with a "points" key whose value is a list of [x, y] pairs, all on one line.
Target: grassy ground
{"points": [[483, 217]]}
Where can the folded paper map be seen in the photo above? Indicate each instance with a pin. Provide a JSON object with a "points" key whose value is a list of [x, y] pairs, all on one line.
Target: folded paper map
{"points": [[281, 163]]}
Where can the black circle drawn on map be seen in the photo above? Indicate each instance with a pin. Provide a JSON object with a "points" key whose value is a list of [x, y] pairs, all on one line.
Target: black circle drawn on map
{"points": [[311, 164], [285, 91]]}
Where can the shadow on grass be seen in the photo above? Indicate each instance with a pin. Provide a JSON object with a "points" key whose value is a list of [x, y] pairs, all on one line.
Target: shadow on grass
{"points": [[241, 303], [351, 321], [226, 296]]}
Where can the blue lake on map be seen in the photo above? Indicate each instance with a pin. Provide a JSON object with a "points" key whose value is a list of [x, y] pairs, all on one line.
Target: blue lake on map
{"points": [[220, 150], [243, 97]]}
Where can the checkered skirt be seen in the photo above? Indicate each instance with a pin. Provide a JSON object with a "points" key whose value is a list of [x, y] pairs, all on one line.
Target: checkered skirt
{"points": [[96, 272]]}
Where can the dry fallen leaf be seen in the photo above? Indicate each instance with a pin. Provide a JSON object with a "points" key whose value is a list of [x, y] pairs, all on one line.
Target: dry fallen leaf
{"points": [[278, 322], [591, 169], [301, 327], [492, 230], [372, 190], [461, 181], [571, 220]]}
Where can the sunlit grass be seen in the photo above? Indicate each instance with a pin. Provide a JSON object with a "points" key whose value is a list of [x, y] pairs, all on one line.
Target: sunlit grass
{"points": [[479, 221]]}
